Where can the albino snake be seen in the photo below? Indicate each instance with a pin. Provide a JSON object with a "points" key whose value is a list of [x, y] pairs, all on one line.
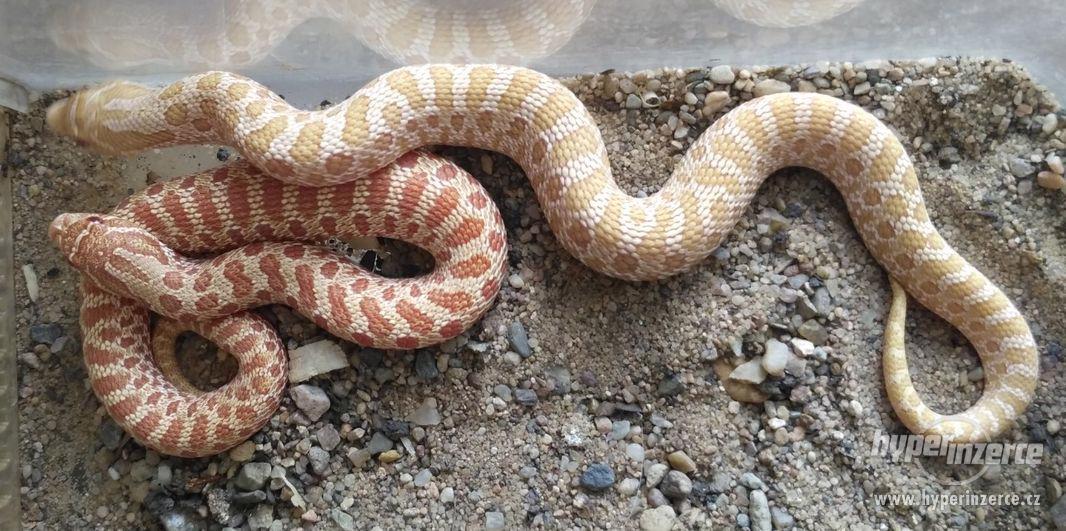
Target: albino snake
{"points": [[541, 125]]}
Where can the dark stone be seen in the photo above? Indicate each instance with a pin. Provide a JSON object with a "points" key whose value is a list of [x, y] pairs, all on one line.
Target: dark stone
{"points": [[526, 397], [670, 386], [516, 334], [426, 365], [65, 346], [396, 429], [111, 434], [249, 498], [1055, 350], [587, 378], [793, 210], [623, 410], [379, 443], [597, 477], [45, 332], [370, 357], [252, 476]]}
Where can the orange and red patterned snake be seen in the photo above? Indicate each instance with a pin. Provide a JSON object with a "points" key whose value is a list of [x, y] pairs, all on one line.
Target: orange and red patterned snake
{"points": [[356, 155]]}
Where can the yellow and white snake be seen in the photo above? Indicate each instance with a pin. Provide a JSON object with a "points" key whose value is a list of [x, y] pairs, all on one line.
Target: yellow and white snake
{"points": [[540, 124]]}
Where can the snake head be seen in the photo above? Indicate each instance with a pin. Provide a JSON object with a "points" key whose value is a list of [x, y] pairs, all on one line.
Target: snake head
{"points": [[119, 255], [90, 241], [81, 238], [83, 116]]}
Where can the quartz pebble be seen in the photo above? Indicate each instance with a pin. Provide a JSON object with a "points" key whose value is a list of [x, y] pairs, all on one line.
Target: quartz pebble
{"points": [[314, 359], [495, 521], [775, 358], [751, 371], [658, 519]]}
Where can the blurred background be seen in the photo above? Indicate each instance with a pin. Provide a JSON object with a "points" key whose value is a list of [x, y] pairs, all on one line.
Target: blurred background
{"points": [[312, 49]]}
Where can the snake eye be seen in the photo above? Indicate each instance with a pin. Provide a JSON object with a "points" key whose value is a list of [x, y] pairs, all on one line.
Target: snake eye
{"points": [[94, 219]]}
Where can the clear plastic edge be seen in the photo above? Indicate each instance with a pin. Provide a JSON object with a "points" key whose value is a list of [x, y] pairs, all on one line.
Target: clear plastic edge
{"points": [[9, 450]]}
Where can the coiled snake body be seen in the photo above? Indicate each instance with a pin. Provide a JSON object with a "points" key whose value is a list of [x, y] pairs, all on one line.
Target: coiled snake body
{"points": [[541, 125]]}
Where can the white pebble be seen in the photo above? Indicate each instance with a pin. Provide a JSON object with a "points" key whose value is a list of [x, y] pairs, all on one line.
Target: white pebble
{"points": [[1055, 163], [32, 288], [770, 86], [723, 75], [314, 359], [516, 281], [776, 358]]}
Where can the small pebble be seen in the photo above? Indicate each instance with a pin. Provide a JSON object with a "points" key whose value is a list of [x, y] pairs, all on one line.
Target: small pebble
{"points": [[426, 414], [654, 474], [389, 456], [723, 75], [328, 437], [311, 400], [1051, 180], [495, 521], [526, 397], [314, 359], [767, 87], [751, 371], [658, 519], [776, 358], [423, 478], [759, 511], [681, 461], [597, 477], [252, 476], [635, 452], [752, 481], [676, 485], [519, 340]]}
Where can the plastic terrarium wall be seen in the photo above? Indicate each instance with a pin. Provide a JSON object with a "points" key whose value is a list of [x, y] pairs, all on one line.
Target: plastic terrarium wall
{"points": [[326, 48], [323, 50]]}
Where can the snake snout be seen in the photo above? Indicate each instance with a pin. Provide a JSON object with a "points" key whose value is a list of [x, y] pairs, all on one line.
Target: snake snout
{"points": [[60, 118], [59, 227], [66, 229]]}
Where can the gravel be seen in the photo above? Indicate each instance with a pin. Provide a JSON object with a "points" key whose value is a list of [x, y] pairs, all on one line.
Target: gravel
{"points": [[252, 476], [793, 271]]}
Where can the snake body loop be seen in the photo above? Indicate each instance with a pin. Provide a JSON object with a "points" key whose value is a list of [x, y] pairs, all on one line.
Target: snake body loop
{"points": [[542, 126]]}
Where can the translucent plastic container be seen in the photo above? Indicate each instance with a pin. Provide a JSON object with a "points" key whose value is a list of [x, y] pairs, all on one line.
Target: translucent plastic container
{"points": [[311, 50], [328, 48]]}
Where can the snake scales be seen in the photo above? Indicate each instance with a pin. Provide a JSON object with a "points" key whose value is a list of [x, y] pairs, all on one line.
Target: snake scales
{"points": [[542, 126]]}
